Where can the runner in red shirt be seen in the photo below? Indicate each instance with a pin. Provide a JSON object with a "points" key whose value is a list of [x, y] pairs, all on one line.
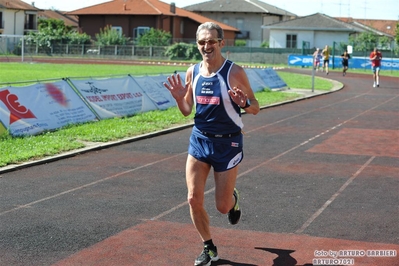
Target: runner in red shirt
{"points": [[376, 57]]}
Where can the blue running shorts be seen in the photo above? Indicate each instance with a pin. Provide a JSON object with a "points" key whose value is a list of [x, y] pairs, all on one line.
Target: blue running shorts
{"points": [[376, 68], [221, 153]]}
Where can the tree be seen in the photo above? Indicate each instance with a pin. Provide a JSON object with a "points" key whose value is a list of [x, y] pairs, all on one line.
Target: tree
{"points": [[54, 31], [397, 38], [154, 37], [397, 33], [183, 51], [110, 36], [365, 41]]}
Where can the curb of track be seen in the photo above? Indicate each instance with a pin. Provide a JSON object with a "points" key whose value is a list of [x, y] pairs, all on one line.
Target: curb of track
{"points": [[306, 94]]}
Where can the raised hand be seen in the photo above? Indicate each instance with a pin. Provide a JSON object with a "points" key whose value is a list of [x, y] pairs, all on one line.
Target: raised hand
{"points": [[175, 86], [238, 96]]}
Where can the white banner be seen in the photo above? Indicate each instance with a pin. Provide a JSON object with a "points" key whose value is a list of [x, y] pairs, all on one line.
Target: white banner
{"points": [[114, 97], [271, 78], [153, 87], [256, 82], [33, 109]]}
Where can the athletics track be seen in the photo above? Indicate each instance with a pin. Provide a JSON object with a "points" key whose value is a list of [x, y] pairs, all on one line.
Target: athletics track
{"points": [[319, 176]]}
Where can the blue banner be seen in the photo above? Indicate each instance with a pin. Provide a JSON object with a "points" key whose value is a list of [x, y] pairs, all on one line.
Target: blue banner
{"points": [[355, 62]]}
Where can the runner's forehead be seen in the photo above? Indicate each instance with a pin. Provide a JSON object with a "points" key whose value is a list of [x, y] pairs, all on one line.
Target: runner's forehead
{"points": [[206, 34]]}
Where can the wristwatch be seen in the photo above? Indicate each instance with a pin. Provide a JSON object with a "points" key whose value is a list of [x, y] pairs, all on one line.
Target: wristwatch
{"points": [[247, 104]]}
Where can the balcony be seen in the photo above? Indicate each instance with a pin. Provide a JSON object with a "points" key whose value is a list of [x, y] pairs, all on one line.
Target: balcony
{"points": [[243, 35]]}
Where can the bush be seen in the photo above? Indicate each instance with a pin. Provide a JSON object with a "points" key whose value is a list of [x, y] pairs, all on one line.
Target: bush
{"points": [[183, 51], [265, 44], [240, 43], [154, 37], [110, 36]]}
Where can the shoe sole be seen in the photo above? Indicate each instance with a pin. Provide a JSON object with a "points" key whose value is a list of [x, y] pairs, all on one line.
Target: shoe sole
{"points": [[210, 262]]}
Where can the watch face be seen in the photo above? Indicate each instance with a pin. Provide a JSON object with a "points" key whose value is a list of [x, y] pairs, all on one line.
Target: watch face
{"points": [[247, 104]]}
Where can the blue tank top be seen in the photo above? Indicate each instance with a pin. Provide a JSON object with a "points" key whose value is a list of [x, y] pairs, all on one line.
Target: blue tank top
{"points": [[216, 113]]}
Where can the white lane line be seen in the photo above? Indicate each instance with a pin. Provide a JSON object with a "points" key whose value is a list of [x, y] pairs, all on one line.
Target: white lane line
{"points": [[90, 184], [283, 153], [328, 202]]}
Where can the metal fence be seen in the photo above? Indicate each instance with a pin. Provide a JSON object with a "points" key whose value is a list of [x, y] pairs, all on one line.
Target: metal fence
{"points": [[14, 46]]}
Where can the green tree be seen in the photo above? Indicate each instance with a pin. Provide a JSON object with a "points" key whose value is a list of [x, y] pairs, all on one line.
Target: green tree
{"points": [[397, 38], [154, 37], [110, 36], [397, 33], [54, 31], [365, 41], [183, 51]]}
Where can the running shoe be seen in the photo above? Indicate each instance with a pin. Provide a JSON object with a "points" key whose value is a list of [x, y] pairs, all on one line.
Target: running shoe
{"points": [[207, 256], [234, 214]]}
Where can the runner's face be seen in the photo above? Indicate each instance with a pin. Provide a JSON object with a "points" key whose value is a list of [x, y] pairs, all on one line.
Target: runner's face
{"points": [[209, 44]]}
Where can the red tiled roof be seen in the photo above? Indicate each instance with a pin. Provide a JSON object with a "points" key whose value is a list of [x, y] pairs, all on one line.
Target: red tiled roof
{"points": [[16, 4], [386, 26], [69, 20], [142, 7]]}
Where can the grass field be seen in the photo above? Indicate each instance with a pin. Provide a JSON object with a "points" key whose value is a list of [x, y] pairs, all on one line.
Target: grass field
{"points": [[16, 150]]}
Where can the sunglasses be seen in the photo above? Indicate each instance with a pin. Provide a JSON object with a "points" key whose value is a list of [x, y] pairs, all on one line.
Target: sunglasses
{"points": [[210, 41]]}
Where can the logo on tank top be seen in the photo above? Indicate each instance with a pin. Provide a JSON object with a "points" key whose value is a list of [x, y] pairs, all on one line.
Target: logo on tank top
{"points": [[206, 91], [208, 100]]}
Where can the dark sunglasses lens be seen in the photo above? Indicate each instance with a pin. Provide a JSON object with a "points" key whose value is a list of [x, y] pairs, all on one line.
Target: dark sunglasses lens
{"points": [[211, 42]]}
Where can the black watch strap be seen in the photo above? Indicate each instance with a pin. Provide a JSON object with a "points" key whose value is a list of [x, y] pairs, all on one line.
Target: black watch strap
{"points": [[247, 104]]}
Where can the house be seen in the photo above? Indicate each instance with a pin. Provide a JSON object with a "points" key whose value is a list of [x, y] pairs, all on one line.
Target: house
{"points": [[311, 31], [69, 20], [248, 16], [133, 17], [385, 27], [381, 28], [17, 17]]}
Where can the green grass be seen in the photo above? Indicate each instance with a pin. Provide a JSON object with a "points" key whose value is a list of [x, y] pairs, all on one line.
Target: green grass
{"points": [[16, 150]]}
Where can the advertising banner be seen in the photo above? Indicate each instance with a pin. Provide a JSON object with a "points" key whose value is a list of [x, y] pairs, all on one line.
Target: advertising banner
{"points": [[114, 97], [271, 78], [153, 87], [256, 81], [354, 62], [44, 106]]}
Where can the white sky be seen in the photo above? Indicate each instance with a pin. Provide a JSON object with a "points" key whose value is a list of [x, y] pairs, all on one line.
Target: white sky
{"points": [[367, 9]]}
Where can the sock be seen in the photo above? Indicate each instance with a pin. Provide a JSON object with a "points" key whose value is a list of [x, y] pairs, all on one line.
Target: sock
{"points": [[209, 243]]}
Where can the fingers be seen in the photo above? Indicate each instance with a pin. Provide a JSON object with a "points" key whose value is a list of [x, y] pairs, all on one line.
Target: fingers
{"points": [[173, 82], [238, 96]]}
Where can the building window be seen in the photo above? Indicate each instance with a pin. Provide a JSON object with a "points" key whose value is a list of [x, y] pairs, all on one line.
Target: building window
{"points": [[240, 24], [30, 21], [225, 21], [118, 29], [137, 32], [181, 27], [291, 41]]}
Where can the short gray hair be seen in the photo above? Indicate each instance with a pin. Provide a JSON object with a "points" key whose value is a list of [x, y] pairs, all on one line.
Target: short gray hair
{"points": [[210, 26]]}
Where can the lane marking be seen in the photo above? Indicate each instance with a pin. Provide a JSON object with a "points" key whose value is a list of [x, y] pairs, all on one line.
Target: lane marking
{"points": [[283, 153], [90, 184], [328, 202], [212, 189]]}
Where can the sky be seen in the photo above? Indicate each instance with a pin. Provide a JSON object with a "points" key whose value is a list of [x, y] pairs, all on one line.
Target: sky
{"points": [[361, 9]]}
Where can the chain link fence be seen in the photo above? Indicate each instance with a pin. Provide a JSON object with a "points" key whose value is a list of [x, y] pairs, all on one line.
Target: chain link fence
{"points": [[14, 48]]}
